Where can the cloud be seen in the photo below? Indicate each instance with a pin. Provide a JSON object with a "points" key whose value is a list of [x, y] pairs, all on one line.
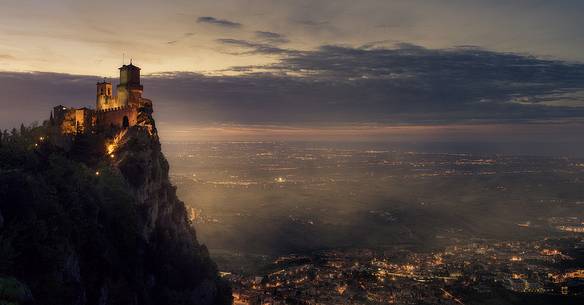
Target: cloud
{"points": [[28, 97], [219, 22], [311, 23], [403, 85], [185, 36], [271, 37], [407, 84], [252, 47]]}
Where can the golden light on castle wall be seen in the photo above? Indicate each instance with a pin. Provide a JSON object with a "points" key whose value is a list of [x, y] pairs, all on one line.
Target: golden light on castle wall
{"points": [[113, 145], [110, 148]]}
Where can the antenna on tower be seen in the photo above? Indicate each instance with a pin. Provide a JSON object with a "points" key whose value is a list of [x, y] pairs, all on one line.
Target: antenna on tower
{"points": [[123, 59], [130, 61]]}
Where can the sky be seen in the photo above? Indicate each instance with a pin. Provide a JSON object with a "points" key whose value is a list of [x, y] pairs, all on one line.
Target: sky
{"points": [[259, 69]]}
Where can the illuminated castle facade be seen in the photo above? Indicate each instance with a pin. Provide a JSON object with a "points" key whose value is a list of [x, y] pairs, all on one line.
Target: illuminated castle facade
{"points": [[127, 108]]}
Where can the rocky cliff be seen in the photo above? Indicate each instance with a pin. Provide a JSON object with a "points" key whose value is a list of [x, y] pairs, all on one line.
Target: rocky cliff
{"points": [[82, 227]]}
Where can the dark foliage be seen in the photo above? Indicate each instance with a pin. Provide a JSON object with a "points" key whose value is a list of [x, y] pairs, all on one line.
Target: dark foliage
{"points": [[73, 236]]}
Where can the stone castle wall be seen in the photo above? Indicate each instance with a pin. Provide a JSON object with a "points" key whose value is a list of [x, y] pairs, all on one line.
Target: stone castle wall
{"points": [[72, 120], [115, 117]]}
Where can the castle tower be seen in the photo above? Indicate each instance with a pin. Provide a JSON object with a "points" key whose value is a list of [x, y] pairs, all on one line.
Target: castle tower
{"points": [[129, 90], [104, 99]]}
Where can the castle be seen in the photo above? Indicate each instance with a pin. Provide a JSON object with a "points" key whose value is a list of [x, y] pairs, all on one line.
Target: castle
{"points": [[128, 108]]}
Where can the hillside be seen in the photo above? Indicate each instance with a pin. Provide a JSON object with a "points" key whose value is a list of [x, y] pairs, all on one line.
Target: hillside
{"points": [[86, 226]]}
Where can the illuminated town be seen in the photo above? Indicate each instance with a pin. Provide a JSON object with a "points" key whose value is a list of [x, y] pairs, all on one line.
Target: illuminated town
{"points": [[400, 276], [393, 252]]}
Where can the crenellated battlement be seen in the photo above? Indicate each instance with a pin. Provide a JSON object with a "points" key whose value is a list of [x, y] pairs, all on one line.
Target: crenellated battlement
{"points": [[114, 109]]}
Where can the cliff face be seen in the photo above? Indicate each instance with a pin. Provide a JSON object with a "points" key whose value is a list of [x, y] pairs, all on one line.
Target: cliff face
{"points": [[140, 160], [165, 221], [109, 232]]}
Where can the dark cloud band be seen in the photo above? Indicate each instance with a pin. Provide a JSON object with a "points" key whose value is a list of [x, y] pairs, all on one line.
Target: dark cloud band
{"points": [[404, 85], [271, 37], [219, 22]]}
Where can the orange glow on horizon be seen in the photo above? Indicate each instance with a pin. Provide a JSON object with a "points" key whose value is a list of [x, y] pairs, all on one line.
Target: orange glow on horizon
{"points": [[364, 132]]}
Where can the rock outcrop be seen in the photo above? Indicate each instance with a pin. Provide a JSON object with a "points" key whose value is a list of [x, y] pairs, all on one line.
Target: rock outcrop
{"points": [[166, 224]]}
